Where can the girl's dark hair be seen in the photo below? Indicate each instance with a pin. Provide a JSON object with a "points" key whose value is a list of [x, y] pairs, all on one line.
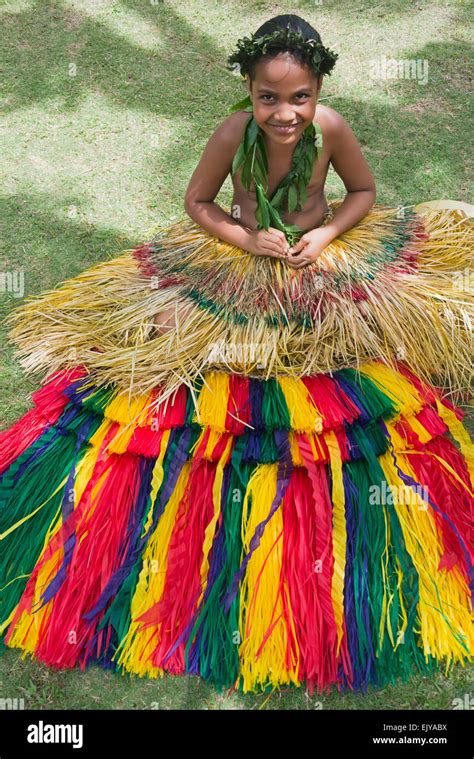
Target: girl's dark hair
{"points": [[292, 22]]}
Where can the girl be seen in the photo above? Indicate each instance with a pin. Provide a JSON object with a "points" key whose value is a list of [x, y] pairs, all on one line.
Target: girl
{"points": [[284, 91], [238, 466]]}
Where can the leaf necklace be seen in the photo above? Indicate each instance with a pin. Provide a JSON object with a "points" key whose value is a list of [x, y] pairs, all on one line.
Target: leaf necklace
{"points": [[291, 193]]}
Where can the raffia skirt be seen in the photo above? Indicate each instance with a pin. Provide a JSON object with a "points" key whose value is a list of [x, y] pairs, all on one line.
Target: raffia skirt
{"points": [[276, 491]]}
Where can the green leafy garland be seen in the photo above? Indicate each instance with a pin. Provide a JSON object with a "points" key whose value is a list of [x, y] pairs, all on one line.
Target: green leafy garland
{"points": [[312, 52], [291, 193]]}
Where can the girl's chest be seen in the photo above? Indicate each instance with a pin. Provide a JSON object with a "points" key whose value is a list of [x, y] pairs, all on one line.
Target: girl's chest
{"points": [[278, 168]]}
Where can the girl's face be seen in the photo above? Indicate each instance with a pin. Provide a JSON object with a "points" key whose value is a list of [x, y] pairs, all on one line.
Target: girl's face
{"points": [[284, 94]]}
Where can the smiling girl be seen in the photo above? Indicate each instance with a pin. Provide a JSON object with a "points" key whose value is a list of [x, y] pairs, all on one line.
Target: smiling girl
{"points": [[284, 91]]}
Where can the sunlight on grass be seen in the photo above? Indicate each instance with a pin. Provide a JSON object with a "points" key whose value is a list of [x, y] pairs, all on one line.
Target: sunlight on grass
{"points": [[124, 22]]}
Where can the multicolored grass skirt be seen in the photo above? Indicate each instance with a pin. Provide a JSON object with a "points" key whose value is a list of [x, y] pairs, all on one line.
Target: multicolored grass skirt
{"points": [[258, 533]]}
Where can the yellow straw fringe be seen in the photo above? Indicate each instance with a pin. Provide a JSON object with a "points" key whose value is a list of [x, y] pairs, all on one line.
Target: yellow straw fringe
{"points": [[339, 537], [440, 592], [211, 527], [425, 317], [212, 403], [460, 435], [304, 416], [135, 649], [261, 604]]}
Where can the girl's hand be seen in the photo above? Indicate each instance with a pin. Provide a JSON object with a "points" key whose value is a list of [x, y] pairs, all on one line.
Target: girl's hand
{"points": [[268, 242], [308, 249]]}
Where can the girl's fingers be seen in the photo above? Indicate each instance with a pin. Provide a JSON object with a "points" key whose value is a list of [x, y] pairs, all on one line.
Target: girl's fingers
{"points": [[278, 236], [274, 246], [297, 263], [274, 251], [278, 233]]}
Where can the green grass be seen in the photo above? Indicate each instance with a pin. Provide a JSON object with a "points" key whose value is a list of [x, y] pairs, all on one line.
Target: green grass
{"points": [[44, 688], [94, 157]]}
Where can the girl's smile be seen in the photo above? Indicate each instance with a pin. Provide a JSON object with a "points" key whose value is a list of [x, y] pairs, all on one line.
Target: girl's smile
{"points": [[290, 129]]}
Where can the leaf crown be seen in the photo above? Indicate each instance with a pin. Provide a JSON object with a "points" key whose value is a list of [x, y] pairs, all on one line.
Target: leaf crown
{"points": [[312, 52]]}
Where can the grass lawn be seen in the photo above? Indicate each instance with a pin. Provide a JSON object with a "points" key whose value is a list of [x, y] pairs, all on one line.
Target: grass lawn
{"points": [[107, 107]]}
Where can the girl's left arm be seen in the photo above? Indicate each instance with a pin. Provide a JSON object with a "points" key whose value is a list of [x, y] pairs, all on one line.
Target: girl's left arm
{"points": [[349, 163]]}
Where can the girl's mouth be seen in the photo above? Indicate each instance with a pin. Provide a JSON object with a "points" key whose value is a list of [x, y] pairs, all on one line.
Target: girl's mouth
{"points": [[285, 129]]}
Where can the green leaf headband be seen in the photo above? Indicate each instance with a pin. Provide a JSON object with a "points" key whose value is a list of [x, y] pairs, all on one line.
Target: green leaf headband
{"points": [[250, 49]]}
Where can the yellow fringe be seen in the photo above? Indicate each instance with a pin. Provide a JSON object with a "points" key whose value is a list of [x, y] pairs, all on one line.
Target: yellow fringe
{"points": [[425, 318], [261, 604], [26, 632], [212, 402], [136, 647], [211, 527], [304, 416], [460, 435], [442, 594], [339, 537], [399, 389]]}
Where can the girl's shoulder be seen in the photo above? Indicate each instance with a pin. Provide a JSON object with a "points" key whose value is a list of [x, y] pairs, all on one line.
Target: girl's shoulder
{"points": [[328, 118], [228, 135], [233, 126], [337, 132]]}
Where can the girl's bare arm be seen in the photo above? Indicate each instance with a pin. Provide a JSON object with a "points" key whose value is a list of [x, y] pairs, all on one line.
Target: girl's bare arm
{"points": [[207, 179], [350, 164]]}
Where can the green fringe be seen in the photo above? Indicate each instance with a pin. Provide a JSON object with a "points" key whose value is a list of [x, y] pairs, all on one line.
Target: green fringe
{"points": [[22, 547], [274, 407]]}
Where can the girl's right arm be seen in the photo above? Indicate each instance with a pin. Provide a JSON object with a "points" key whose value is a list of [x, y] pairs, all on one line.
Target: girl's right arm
{"points": [[208, 177]]}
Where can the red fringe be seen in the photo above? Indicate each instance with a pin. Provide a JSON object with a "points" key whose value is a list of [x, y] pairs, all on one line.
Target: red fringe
{"points": [[170, 413], [238, 405], [145, 442], [49, 405], [182, 582], [313, 506], [101, 543], [333, 404], [449, 495]]}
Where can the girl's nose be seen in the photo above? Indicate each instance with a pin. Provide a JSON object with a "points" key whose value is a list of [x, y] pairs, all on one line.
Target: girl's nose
{"points": [[286, 116]]}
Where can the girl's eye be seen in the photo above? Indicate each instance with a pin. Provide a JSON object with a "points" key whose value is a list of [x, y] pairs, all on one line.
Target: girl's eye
{"points": [[299, 95]]}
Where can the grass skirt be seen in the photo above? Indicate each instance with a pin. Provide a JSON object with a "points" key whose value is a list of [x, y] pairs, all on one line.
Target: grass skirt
{"points": [[301, 519]]}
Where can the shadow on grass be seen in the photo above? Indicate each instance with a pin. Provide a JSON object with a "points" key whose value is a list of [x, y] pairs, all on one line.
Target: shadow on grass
{"points": [[417, 149], [41, 43], [49, 248], [420, 137]]}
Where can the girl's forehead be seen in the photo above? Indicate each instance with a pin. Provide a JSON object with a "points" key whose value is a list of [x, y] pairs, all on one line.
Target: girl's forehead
{"points": [[283, 73]]}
